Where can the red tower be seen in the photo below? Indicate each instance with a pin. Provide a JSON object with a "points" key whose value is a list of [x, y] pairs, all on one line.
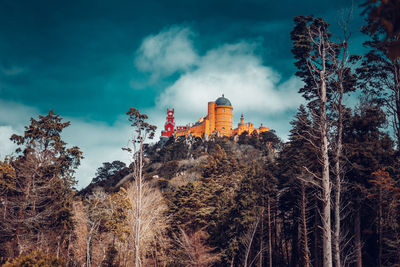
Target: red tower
{"points": [[169, 125]]}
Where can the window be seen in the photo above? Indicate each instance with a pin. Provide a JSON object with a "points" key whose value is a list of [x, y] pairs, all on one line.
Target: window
{"points": [[223, 110], [223, 118], [223, 123]]}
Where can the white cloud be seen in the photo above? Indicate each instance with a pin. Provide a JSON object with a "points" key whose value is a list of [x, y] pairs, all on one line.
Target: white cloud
{"points": [[16, 114], [167, 52], [98, 141], [6, 146], [13, 118], [237, 72]]}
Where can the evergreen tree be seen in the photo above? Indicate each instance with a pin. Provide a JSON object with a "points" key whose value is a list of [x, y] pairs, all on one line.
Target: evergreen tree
{"points": [[296, 165], [117, 218], [368, 149], [108, 170], [379, 77], [386, 195], [385, 15], [40, 205]]}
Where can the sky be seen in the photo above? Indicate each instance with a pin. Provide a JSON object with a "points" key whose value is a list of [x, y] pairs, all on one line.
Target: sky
{"points": [[90, 61]]}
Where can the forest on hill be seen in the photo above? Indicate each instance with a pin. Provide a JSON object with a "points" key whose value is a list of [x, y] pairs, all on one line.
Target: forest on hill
{"points": [[327, 196]]}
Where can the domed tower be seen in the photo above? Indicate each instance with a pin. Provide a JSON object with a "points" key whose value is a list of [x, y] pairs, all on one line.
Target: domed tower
{"points": [[223, 116]]}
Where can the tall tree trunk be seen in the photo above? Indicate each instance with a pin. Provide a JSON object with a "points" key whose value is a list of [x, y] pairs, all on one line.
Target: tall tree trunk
{"points": [[269, 232], [396, 89], [276, 234], [88, 251], [357, 236], [316, 230], [294, 251], [326, 184], [20, 218], [250, 242], [338, 155], [139, 202], [380, 228], [261, 258], [306, 254]]}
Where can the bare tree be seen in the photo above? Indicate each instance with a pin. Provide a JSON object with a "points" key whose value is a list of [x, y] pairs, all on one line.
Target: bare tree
{"points": [[343, 81], [304, 228], [195, 249], [311, 47], [152, 223], [142, 131], [97, 210], [78, 246], [248, 239]]}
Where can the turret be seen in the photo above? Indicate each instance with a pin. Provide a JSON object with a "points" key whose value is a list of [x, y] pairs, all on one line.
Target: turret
{"points": [[211, 117], [169, 125], [223, 116]]}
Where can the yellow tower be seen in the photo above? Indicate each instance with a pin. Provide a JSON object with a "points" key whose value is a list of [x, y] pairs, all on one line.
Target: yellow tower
{"points": [[219, 121], [223, 116], [211, 118]]}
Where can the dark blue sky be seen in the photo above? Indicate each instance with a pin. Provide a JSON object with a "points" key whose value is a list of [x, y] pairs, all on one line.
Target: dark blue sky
{"points": [[92, 60], [77, 56]]}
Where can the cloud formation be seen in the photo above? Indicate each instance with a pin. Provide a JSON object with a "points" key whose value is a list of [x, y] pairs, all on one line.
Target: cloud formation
{"points": [[6, 146], [233, 70], [98, 141], [167, 52]]}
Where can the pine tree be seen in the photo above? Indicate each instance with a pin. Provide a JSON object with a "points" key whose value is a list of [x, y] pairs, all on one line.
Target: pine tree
{"points": [[379, 77], [385, 15], [368, 149], [40, 204], [116, 221], [297, 161], [386, 195]]}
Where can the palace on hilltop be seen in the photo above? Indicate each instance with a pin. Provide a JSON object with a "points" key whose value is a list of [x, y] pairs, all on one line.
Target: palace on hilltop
{"points": [[219, 121]]}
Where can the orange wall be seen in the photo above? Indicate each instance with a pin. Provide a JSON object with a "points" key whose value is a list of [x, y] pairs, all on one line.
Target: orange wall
{"points": [[219, 119], [223, 120], [211, 116]]}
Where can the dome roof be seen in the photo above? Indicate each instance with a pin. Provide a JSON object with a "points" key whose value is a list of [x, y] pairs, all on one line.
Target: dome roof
{"points": [[222, 101]]}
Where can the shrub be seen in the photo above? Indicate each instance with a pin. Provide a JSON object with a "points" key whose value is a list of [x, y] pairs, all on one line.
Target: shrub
{"points": [[35, 259]]}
